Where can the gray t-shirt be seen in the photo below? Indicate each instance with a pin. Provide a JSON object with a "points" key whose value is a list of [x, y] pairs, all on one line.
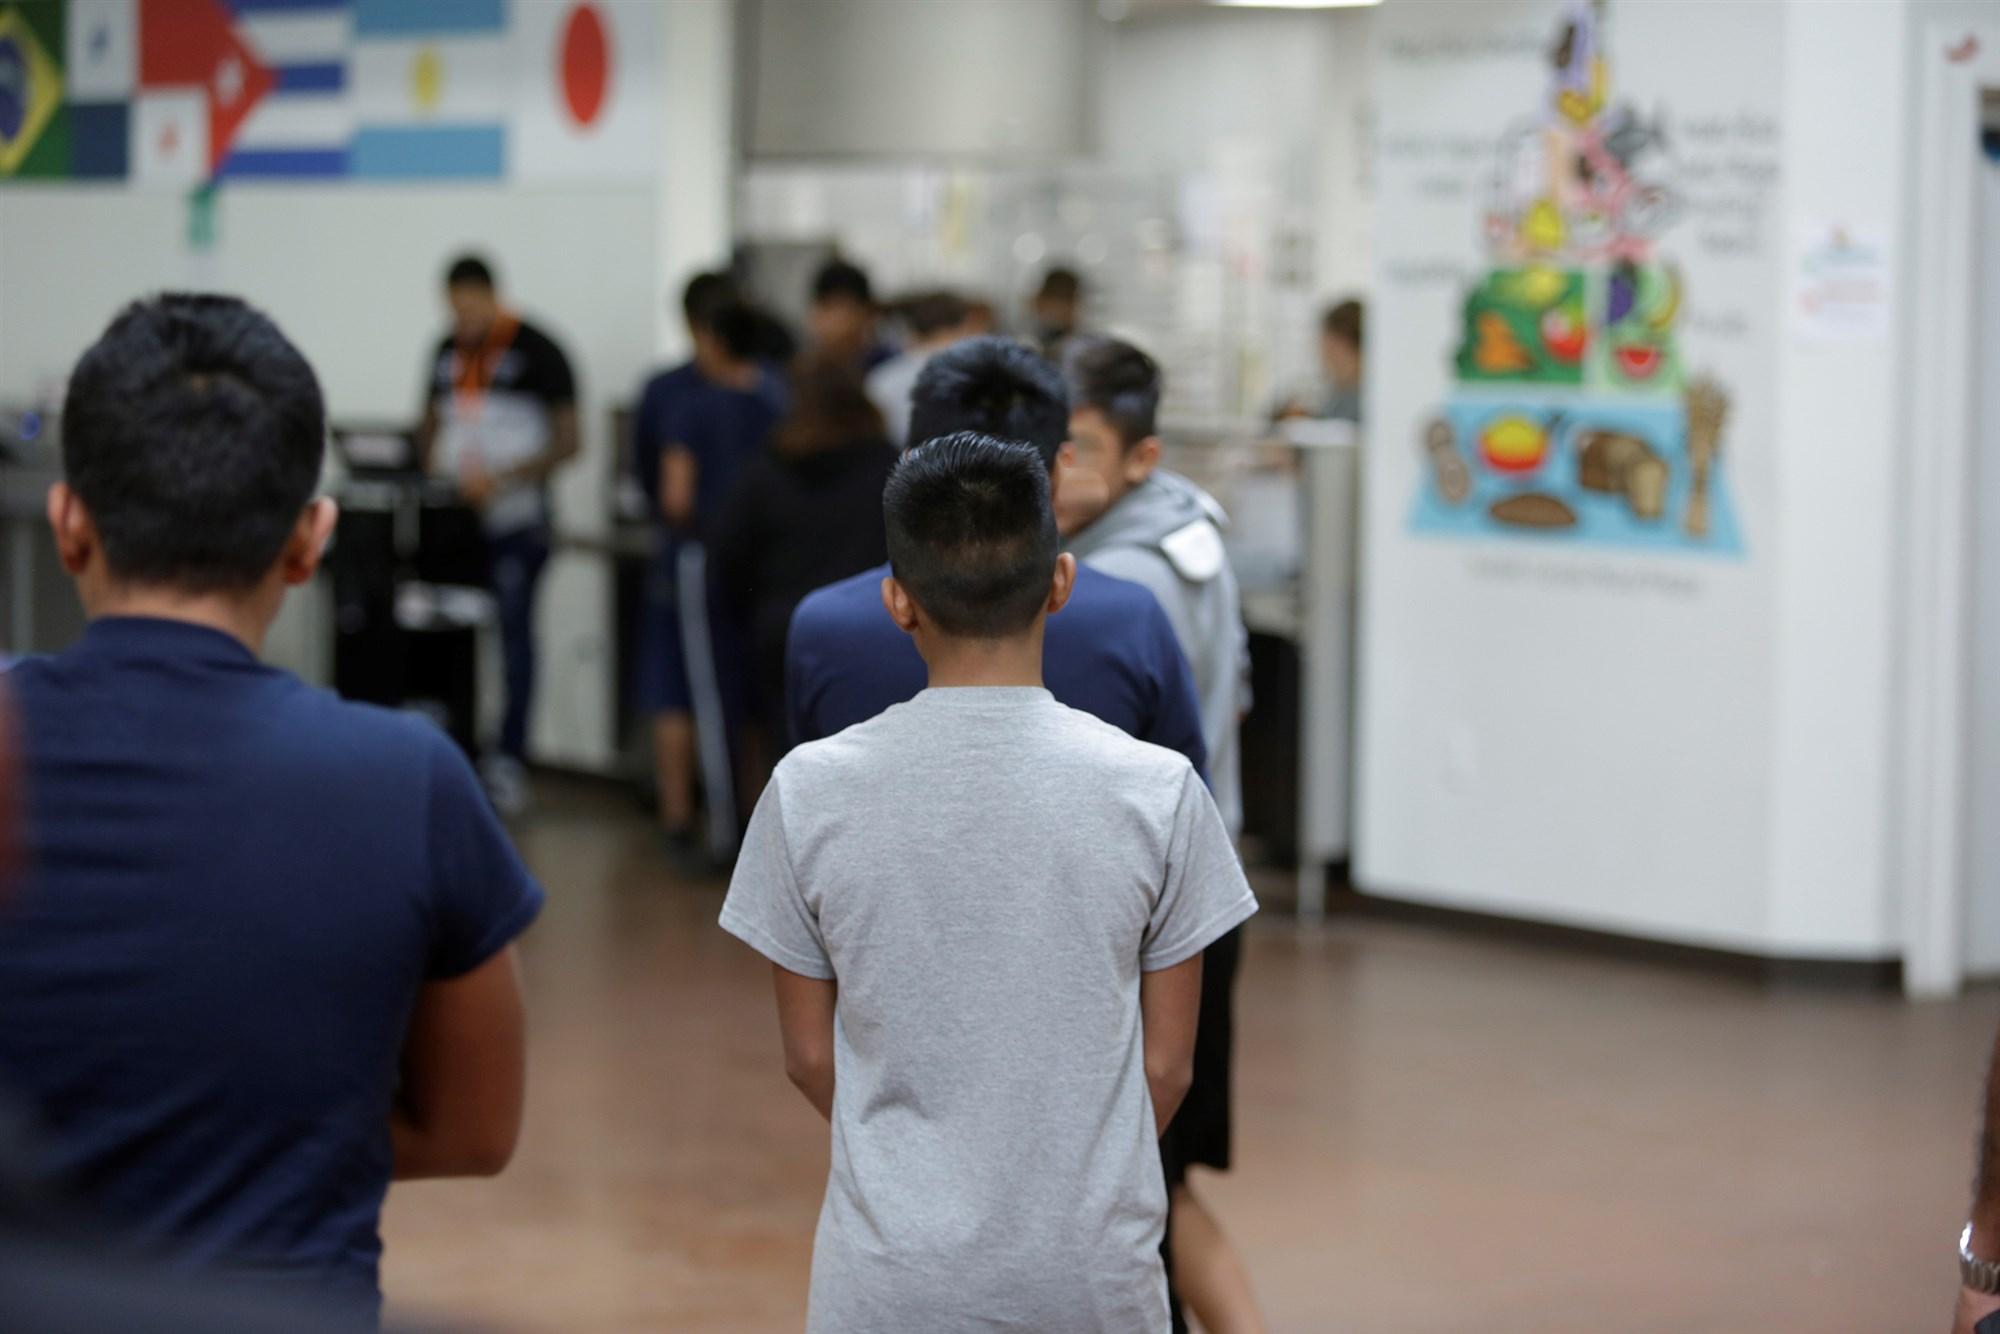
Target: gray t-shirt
{"points": [[986, 873]]}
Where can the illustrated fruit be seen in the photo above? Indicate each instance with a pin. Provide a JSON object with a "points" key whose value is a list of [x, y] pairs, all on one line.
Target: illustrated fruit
{"points": [[1664, 306], [1498, 351], [1624, 293], [1514, 444], [1637, 361], [1564, 335], [1540, 286]]}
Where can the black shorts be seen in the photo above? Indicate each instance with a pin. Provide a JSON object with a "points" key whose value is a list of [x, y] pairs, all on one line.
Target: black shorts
{"points": [[1199, 1132]]}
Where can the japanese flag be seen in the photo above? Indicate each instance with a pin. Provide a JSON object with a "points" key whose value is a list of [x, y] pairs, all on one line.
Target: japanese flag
{"points": [[590, 105]]}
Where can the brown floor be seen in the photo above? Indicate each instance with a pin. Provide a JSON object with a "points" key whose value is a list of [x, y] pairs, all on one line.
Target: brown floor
{"points": [[1435, 1134]]}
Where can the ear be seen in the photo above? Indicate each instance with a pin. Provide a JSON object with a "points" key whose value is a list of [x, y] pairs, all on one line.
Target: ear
{"points": [[307, 543], [1062, 583], [902, 608], [1141, 459], [75, 530]]}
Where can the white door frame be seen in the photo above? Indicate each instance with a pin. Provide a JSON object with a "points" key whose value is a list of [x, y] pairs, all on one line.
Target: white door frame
{"points": [[1932, 711]]}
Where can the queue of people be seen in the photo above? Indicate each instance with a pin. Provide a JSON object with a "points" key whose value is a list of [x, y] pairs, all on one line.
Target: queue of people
{"points": [[233, 1045]]}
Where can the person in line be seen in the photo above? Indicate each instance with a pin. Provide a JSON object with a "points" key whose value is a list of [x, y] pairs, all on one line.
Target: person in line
{"points": [[992, 993], [1112, 652], [499, 421], [1340, 363], [841, 319], [805, 512], [1056, 311], [935, 321], [1126, 515], [695, 428], [262, 960], [1979, 1245]]}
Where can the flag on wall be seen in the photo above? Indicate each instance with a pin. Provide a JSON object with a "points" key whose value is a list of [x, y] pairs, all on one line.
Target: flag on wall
{"points": [[586, 103], [185, 92], [101, 74], [199, 81], [430, 88], [302, 129], [33, 130]]}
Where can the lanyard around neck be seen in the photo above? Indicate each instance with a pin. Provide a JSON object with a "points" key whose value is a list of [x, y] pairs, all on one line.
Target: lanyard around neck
{"points": [[472, 376]]}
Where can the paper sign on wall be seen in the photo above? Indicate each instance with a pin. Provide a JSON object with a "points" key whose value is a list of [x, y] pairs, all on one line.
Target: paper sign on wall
{"points": [[1841, 285]]}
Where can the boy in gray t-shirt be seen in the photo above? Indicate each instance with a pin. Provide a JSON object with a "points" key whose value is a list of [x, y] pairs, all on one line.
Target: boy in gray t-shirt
{"points": [[987, 913]]}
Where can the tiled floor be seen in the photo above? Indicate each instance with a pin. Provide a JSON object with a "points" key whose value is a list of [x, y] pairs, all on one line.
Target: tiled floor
{"points": [[1436, 1134]]}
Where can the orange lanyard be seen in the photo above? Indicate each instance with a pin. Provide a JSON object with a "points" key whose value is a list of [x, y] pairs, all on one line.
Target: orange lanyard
{"points": [[472, 376]]}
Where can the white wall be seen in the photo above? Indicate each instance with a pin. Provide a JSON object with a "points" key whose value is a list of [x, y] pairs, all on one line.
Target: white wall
{"points": [[1668, 745], [1846, 121], [352, 273]]}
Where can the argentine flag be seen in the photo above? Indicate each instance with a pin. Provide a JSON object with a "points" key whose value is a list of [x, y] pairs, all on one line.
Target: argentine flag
{"points": [[430, 89]]}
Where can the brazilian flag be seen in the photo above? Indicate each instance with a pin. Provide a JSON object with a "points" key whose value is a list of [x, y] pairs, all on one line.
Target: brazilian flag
{"points": [[34, 122]]}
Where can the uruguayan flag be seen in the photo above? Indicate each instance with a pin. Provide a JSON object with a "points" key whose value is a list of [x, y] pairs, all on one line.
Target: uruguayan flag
{"points": [[304, 128], [430, 88]]}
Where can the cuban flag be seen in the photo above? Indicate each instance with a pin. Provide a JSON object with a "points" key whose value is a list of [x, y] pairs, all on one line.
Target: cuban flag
{"points": [[303, 125], [430, 89]]}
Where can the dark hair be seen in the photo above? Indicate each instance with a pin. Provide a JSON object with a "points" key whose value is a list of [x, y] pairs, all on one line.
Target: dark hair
{"points": [[469, 271], [972, 536], [929, 313], [738, 327], [1061, 284], [838, 278], [193, 433], [704, 294], [1344, 321], [1121, 382], [996, 387], [830, 408]]}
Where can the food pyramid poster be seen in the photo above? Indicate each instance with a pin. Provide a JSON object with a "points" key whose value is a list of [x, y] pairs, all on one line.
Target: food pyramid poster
{"points": [[1571, 418]]}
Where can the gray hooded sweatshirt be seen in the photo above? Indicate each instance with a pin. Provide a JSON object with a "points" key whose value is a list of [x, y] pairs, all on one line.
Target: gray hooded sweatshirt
{"points": [[1166, 533]]}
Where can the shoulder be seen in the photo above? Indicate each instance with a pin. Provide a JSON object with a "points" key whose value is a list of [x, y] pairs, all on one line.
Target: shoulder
{"points": [[360, 736], [533, 337], [1115, 596], [840, 607], [1115, 752]]}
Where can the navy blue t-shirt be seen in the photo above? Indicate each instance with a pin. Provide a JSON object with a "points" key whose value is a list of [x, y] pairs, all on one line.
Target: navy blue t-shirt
{"points": [[722, 427], [237, 884], [1110, 652]]}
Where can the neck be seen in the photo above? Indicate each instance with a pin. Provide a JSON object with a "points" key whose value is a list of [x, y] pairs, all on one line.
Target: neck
{"points": [[723, 371], [985, 662], [242, 617]]}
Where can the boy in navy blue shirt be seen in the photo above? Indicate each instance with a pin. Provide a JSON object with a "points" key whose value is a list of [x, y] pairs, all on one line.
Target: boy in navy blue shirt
{"points": [[261, 961], [1111, 653], [697, 425]]}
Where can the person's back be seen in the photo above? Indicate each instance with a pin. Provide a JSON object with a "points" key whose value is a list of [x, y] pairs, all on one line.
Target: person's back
{"points": [[1007, 900], [259, 963], [997, 1151], [805, 512], [1111, 652]]}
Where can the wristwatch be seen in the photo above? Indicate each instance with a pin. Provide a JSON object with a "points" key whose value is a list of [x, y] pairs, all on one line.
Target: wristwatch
{"points": [[1977, 1274]]}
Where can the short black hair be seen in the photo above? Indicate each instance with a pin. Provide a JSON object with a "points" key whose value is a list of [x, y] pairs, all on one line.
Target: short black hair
{"points": [[1061, 284], [704, 294], [469, 271], [928, 313], [972, 535], [996, 387], [838, 278], [193, 432], [1344, 321], [738, 327], [1121, 382]]}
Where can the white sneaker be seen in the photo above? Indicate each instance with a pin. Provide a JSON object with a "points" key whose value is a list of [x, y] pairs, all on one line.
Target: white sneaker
{"points": [[506, 780]]}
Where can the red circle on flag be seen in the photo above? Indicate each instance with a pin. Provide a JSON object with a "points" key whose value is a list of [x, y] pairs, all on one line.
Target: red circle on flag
{"points": [[586, 64]]}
